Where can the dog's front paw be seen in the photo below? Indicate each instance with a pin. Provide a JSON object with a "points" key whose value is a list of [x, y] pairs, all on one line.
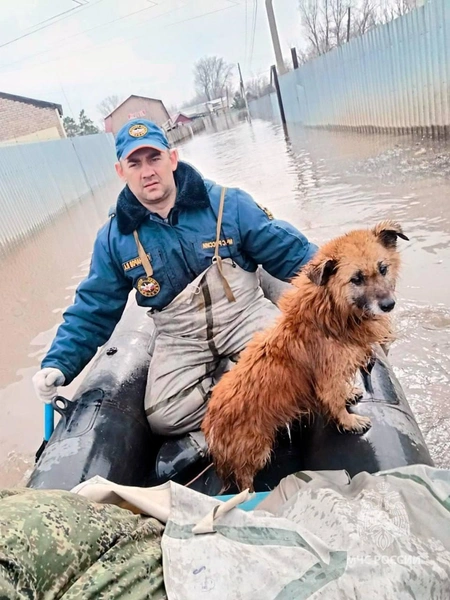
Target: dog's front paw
{"points": [[357, 424], [355, 396], [244, 482]]}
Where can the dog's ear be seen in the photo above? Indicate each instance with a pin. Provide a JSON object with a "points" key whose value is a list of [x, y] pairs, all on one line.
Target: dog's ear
{"points": [[387, 233], [320, 273]]}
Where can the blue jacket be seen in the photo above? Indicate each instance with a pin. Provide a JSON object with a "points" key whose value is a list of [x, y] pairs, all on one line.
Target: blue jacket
{"points": [[180, 247]]}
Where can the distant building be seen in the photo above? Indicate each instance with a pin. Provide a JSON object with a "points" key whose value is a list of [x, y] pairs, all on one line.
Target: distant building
{"points": [[218, 106], [196, 111], [25, 119], [181, 119], [136, 106]]}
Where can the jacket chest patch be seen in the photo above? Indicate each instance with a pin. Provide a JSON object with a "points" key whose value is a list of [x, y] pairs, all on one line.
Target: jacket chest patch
{"points": [[148, 287], [132, 263], [212, 243]]}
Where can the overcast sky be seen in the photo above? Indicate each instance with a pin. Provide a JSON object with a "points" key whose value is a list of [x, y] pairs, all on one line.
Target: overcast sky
{"points": [[86, 50]]}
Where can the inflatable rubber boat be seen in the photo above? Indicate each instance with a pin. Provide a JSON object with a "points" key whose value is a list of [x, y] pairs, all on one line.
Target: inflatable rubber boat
{"points": [[103, 430]]}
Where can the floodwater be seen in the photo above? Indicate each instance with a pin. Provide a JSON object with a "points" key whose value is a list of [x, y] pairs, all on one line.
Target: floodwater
{"points": [[325, 183]]}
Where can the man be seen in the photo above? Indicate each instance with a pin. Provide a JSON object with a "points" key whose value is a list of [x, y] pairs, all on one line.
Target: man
{"points": [[190, 249]]}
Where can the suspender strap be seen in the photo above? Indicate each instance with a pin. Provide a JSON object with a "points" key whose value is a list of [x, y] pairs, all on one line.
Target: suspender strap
{"points": [[143, 256], [217, 258]]}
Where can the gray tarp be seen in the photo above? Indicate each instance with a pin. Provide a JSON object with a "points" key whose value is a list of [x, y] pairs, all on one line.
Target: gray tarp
{"points": [[317, 536]]}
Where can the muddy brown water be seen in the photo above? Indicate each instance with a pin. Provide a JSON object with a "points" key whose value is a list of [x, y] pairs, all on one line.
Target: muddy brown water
{"points": [[325, 183]]}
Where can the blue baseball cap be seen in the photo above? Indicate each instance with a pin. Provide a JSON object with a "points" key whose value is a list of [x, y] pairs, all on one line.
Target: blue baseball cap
{"points": [[140, 133]]}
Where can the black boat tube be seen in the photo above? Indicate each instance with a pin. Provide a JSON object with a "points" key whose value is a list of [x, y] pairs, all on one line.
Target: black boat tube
{"points": [[104, 430]]}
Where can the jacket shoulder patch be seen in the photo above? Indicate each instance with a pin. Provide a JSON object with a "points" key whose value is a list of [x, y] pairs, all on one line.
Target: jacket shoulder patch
{"points": [[266, 211]]}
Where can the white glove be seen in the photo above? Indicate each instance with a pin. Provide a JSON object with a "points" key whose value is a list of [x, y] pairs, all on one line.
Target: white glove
{"points": [[45, 383]]}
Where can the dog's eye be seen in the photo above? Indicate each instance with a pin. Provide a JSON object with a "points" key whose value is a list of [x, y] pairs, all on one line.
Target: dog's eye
{"points": [[357, 279], [383, 269]]}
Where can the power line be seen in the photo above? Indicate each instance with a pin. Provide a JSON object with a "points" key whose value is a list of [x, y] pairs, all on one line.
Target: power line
{"points": [[100, 26], [64, 12], [65, 96], [233, 4], [255, 15], [246, 27], [65, 15], [54, 59]]}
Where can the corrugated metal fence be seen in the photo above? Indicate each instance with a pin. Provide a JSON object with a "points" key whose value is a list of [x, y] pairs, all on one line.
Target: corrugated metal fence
{"points": [[39, 180], [394, 78]]}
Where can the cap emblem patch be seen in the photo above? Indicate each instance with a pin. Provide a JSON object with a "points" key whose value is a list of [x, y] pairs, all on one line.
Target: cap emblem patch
{"points": [[138, 130]]}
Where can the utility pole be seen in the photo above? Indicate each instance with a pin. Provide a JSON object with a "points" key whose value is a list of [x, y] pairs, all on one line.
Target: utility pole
{"points": [[275, 39], [243, 94]]}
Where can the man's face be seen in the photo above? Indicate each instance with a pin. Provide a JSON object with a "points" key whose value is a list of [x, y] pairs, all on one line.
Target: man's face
{"points": [[149, 174]]}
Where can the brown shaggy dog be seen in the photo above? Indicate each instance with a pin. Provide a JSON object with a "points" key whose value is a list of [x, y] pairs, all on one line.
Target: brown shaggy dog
{"points": [[335, 312]]}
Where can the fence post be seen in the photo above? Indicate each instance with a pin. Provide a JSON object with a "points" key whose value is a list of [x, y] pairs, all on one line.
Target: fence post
{"points": [[294, 57], [348, 24], [280, 99]]}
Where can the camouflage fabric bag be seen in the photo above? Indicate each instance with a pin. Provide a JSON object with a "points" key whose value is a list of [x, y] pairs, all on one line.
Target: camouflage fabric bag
{"points": [[55, 544]]}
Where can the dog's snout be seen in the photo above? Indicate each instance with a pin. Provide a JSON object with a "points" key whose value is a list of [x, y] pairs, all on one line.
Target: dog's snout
{"points": [[386, 304]]}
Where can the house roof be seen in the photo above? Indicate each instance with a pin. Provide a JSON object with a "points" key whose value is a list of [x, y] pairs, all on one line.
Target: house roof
{"points": [[178, 115], [203, 108], [196, 110], [34, 101], [137, 96]]}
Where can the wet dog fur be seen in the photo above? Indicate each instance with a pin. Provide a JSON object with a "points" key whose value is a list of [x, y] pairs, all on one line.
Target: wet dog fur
{"points": [[307, 362]]}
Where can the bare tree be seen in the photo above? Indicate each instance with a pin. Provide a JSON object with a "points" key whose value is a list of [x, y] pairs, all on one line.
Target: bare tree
{"points": [[326, 16], [397, 8], [212, 76], [311, 21], [365, 17], [197, 99], [108, 104], [325, 21], [338, 9], [257, 87], [303, 57], [173, 109]]}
